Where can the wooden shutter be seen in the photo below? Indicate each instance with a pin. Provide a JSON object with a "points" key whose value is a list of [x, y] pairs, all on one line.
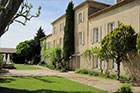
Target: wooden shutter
{"points": [[100, 34], [78, 18], [91, 36], [94, 35], [115, 66], [105, 64], [98, 63], [91, 61], [77, 38], [116, 23], [83, 33], [82, 16], [106, 29]]}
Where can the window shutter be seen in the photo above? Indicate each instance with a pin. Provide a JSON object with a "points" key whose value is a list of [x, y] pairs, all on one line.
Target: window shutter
{"points": [[105, 65], [115, 66], [77, 18], [106, 29], [94, 36], [80, 61], [100, 33], [91, 36], [56, 30], [83, 38], [77, 38], [82, 16], [116, 23], [91, 61], [98, 63]]}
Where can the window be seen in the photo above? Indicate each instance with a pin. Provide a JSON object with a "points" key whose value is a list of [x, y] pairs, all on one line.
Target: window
{"points": [[95, 35], [61, 27], [92, 61], [61, 42], [111, 26], [81, 36], [114, 65], [55, 30], [80, 17], [54, 43], [105, 65], [97, 62]]}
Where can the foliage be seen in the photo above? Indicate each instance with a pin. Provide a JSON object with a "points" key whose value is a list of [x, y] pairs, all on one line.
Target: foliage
{"points": [[126, 88], [12, 12], [68, 47], [92, 51], [44, 85], [37, 47], [1, 60], [25, 50], [81, 71], [29, 50], [99, 74], [138, 43], [116, 44]]}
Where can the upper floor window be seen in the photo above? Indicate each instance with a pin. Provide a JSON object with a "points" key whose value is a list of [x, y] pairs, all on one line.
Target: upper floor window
{"points": [[55, 30], [96, 35], [54, 43], [80, 17], [110, 26], [61, 42], [81, 38], [62, 27]]}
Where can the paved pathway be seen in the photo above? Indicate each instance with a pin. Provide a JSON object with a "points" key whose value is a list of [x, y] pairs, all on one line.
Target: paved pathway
{"points": [[100, 83]]}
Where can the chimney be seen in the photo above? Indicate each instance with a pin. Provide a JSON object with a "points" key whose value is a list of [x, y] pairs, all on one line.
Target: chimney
{"points": [[118, 1]]}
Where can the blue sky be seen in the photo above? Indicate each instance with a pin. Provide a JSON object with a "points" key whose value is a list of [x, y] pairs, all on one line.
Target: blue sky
{"points": [[51, 10]]}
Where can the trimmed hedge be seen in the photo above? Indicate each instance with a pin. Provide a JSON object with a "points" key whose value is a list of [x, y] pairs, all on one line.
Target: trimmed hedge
{"points": [[126, 88]]}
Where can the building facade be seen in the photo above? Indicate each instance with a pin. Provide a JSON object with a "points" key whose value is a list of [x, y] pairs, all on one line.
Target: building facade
{"points": [[93, 20]]}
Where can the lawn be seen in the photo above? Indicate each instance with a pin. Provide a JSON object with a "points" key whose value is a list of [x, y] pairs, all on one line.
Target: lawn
{"points": [[25, 67], [43, 85]]}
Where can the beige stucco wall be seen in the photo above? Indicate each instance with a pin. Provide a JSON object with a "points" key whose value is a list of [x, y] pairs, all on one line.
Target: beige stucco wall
{"points": [[59, 34], [80, 28], [127, 14]]}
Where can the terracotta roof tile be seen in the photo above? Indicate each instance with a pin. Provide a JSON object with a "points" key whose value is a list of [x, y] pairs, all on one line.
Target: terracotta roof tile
{"points": [[7, 50]]}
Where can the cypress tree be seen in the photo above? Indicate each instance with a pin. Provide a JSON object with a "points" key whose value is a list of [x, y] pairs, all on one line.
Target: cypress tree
{"points": [[68, 47]]}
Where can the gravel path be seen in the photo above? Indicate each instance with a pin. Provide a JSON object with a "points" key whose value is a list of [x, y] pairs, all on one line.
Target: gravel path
{"points": [[100, 83]]}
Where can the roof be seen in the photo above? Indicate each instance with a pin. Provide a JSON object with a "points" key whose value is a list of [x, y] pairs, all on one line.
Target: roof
{"points": [[80, 5], [46, 36], [7, 50], [110, 8]]}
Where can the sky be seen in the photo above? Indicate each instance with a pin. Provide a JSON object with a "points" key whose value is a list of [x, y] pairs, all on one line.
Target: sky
{"points": [[51, 10]]}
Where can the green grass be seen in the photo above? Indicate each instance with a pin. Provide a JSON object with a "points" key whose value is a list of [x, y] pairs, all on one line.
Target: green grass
{"points": [[25, 67], [43, 85]]}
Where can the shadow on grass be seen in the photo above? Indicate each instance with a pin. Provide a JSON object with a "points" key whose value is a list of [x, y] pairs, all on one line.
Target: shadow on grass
{"points": [[6, 80], [44, 80], [10, 90]]}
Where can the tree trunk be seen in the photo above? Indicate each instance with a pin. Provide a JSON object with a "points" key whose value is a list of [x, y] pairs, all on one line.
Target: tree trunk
{"points": [[101, 67], [118, 69], [10, 9]]}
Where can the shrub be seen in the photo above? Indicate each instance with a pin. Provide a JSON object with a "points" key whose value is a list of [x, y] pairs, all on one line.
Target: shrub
{"points": [[126, 88], [124, 78], [81, 71]]}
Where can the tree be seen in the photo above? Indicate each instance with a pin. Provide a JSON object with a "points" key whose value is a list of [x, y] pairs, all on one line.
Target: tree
{"points": [[37, 47], [138, 44], [68, 47], [25, 50], [117, 44], [1, 60], [9, 13]]}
